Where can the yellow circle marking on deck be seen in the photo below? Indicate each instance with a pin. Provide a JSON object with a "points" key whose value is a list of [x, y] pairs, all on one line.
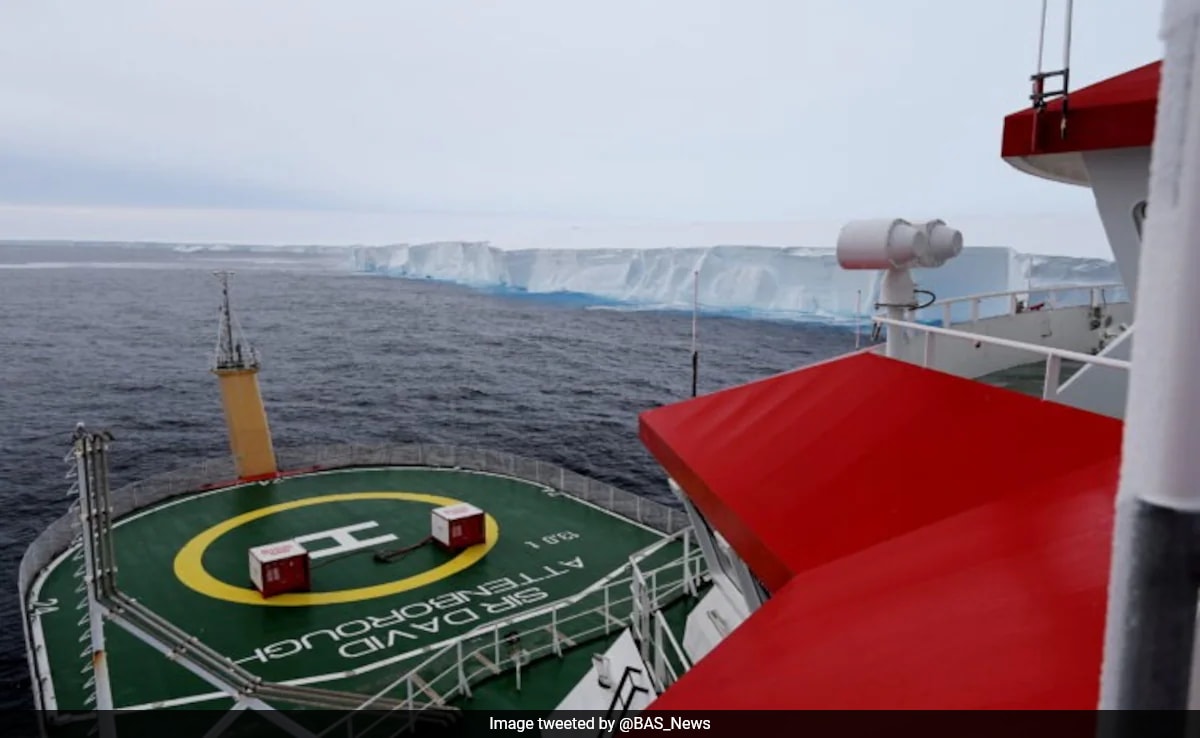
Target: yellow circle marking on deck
{"points": [[189, 564]]}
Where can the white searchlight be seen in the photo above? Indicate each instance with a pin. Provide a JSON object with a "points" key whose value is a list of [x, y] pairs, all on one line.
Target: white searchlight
{"points": [[895, 246], [945, 243]]}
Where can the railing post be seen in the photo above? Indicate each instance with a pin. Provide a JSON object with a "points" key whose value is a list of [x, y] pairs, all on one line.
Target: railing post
{"points": [[928, 359], [975, 310], [687, 579], [410, 706], [638, 508], [946, 315], [1012, 304], [660, 654], [607, 617], [636, 620], [1053, 370], [496, 638], [645, 616], [857, 319], [463, 687], [633, 604], [554, 633]]}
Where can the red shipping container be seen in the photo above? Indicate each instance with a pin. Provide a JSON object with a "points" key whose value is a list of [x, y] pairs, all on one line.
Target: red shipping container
{"points": [[280, 567], [458, 526]]}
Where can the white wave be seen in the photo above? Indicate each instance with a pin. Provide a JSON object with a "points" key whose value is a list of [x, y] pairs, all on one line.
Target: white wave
{"points": [[796, 283], [93, 265], [200, 248]]}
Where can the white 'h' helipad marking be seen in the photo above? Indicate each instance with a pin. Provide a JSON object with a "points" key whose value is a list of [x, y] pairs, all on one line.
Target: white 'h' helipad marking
{"points": [[345, 542]]}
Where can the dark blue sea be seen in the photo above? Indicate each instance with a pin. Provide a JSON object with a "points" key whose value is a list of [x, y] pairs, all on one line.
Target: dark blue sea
{"points": [[121, 338]]}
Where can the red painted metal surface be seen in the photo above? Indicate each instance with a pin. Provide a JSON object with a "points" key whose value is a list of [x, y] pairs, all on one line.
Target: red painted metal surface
{"points": [[464, 532], [929, 541], [1116, 113], [292, 574]]}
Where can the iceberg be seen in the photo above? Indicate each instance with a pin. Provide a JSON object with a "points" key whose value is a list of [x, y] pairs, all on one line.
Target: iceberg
{"points": [[788, 283]]}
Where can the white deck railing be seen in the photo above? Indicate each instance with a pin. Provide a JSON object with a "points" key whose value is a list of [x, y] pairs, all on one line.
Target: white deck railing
{"points": [[1054, 356], [659, 648], [611, 604], [1018, 300]]}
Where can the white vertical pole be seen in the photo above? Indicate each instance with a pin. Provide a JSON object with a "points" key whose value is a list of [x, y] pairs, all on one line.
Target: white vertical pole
{"points": [[1067, 43], [463, 687], [695, 314], [1041, 38], [1053, 373], [695, 304], [660, 654], [688, 585], [411, 706], [1151, 622], [858, 320], [607, 618], [896, 292], [554, 633]]}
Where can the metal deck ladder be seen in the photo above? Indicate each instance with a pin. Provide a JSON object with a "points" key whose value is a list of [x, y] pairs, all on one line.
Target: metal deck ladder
{"points": [[625, 700]]}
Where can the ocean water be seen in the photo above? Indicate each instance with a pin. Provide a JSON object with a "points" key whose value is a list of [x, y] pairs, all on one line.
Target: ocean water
{"points": [[122, 338]]}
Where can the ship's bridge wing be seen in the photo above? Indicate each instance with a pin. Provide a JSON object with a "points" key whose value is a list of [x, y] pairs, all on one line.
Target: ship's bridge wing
{"points": [[1116, 113], [929, 541]]}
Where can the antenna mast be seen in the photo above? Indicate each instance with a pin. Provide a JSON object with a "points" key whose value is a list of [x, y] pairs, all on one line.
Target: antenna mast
{"points": [[233, 351]]}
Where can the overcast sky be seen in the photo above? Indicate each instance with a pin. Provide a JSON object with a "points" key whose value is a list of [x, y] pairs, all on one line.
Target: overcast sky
{"points": [[371, 120]]}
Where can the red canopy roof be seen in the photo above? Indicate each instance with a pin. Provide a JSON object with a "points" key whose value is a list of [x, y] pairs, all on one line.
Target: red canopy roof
{"points": [[929, 541], [1116, 113]]}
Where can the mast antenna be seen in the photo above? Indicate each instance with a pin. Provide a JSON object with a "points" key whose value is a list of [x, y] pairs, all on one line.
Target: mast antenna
{"points": [[233, 351]]}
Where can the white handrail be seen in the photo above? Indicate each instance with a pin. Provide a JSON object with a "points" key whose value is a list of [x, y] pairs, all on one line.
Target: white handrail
{"points": [[616, 576], [663, 631], [626, 573], [1008, 343], [1096, 298], [1049, 289], [1054, 356], [498, 625]]}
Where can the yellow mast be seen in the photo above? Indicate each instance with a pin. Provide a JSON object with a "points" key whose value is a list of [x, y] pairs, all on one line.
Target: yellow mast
{"points": [[236, 367]]}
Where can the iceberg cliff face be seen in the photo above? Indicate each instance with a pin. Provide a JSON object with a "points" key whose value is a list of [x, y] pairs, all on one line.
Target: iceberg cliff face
{"points": [[787, 283]]}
